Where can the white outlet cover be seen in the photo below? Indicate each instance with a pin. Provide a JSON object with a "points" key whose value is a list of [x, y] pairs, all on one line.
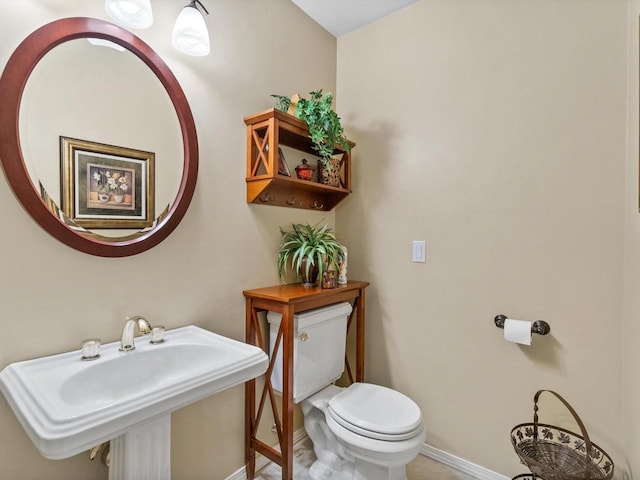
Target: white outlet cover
{"points": [[419, 251]]}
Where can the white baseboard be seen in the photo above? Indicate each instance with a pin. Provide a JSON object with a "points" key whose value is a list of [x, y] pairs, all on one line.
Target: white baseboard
{"points": [[475, 471]]}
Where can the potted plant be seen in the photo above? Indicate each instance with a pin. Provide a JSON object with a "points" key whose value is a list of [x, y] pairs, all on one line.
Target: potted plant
{"points": [[325, 129], [309, 251]]}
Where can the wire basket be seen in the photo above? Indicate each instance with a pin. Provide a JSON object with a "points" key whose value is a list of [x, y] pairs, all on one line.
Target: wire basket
{"points": [[553, 453], [527, 476]]}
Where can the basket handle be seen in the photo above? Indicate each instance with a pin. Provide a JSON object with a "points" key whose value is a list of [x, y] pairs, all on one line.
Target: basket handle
{"points": [[583, 430]]}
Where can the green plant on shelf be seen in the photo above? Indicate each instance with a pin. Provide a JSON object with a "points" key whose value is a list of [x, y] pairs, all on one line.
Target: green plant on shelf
{"points": [[325, 129]]}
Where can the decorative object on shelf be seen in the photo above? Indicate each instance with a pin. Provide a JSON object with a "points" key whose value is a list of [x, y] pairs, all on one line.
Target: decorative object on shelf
{"points": [[283, 168], [308, 272], [329, 279], [287, 104], [325, 129], [342, 266], [329, 172], [306, 248], [304, 171]]}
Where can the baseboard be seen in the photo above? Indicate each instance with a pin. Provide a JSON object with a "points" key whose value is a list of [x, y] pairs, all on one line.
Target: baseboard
{"points": [[262, 461], [475, 471]]}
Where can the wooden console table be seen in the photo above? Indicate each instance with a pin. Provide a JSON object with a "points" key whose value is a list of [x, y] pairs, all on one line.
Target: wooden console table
{"points": [[289, 300]]}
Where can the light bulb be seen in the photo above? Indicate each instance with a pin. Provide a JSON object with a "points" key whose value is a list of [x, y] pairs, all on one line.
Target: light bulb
{"points": [[190, 34]]}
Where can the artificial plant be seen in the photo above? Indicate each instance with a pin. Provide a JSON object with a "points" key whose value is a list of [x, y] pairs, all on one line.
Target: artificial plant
{"points": [[325, 129]]}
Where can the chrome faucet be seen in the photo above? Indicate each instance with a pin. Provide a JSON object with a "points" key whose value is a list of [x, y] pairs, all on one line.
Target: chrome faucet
{"points": [[143, 326]]}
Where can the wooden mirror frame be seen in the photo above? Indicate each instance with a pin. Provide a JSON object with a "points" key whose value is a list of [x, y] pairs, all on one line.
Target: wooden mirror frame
{"points": [[12, 84]]}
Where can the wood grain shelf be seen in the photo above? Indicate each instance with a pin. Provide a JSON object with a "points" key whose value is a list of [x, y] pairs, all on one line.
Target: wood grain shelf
{"points": [[266, 132]]}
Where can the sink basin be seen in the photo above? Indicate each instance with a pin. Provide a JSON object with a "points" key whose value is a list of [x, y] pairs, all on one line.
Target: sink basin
{"points": [[67, 405], [124, 377]]}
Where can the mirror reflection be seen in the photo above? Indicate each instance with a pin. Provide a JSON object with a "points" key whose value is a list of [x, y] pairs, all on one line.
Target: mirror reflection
{"points": [[104, 96]]}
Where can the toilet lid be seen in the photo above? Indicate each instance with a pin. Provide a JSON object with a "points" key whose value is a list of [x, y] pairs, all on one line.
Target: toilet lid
{"points": [[377, 412]]}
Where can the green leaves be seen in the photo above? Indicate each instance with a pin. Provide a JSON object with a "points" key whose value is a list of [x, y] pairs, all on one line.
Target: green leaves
{"points": [[282, 103], [317, 243], [325, 129]]}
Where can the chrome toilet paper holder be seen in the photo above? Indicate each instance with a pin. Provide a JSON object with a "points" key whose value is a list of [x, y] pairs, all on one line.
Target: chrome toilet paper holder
{"points": [[539, 326]]}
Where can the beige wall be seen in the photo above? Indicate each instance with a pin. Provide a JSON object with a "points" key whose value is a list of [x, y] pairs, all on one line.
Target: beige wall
{"points": [[632, 257], [496, 131], [53, 297]]}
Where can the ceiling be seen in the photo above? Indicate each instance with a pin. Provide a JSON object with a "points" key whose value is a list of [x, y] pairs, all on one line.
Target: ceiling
{"points": [[340, 17]]}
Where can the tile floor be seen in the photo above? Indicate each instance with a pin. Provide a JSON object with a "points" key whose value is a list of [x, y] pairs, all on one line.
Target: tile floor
{"points": [[421, 468]]}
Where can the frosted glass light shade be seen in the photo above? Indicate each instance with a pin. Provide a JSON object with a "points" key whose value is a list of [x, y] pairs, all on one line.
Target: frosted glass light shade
{"points": [[130, 13], [190, 34], [105, 43]]}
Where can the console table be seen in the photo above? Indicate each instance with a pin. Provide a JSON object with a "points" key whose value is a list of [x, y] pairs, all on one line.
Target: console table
{"points": [[289, 300]]}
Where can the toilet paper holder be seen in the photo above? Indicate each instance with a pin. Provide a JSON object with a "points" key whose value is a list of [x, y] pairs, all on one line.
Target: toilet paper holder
{"points": [[539, 326]]}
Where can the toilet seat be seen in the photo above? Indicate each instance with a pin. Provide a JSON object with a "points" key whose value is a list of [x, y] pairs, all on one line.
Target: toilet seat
{"points": [[376, 412]]}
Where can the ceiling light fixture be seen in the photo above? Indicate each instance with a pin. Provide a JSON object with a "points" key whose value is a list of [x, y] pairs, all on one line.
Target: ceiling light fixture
{"points": [[130, 13], [105, 43], [190, 34]]}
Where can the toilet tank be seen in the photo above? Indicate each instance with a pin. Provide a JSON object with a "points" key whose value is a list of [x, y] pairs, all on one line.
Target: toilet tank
{"points": [[319, 343]]}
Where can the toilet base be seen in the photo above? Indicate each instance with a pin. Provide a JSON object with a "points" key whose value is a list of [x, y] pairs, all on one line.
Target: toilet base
{"points": [[322, 471], [367, 471], [359, 471]]}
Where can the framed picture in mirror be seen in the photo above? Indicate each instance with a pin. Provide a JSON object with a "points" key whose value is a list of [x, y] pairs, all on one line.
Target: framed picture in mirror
{"points": [[107, 186]]}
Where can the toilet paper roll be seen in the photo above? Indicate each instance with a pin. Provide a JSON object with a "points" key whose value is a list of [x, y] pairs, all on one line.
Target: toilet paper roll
{"points": [[517, 331]]}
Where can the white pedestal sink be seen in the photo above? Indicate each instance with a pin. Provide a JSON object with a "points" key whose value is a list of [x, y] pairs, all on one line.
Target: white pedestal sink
{"points": [[67, 405]]}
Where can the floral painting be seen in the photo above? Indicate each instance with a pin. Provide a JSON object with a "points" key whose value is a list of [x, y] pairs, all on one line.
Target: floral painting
{"points": [[110, 188], [106, 186]]}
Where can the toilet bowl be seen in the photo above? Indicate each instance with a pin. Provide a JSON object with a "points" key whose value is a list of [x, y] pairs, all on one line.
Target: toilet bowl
{"points": [[362, 432]]}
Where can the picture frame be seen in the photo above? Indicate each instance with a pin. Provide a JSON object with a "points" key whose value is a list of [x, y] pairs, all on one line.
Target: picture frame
{"points": [[283, 168], [106, 186]]}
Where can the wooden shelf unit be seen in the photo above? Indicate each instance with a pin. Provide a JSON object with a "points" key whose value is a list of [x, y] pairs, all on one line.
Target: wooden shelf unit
{"points": [[289, 300], [273, 128]]}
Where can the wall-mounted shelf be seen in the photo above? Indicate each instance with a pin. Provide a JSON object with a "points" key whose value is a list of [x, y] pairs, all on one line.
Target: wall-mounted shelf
{"points": [[266, 133]]}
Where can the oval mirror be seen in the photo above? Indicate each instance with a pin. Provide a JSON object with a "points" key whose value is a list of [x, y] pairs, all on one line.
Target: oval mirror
{"points": [[107, 183]]}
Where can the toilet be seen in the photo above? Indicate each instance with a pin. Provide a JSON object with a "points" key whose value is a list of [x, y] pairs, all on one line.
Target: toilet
{"points": [[362, 432]]}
